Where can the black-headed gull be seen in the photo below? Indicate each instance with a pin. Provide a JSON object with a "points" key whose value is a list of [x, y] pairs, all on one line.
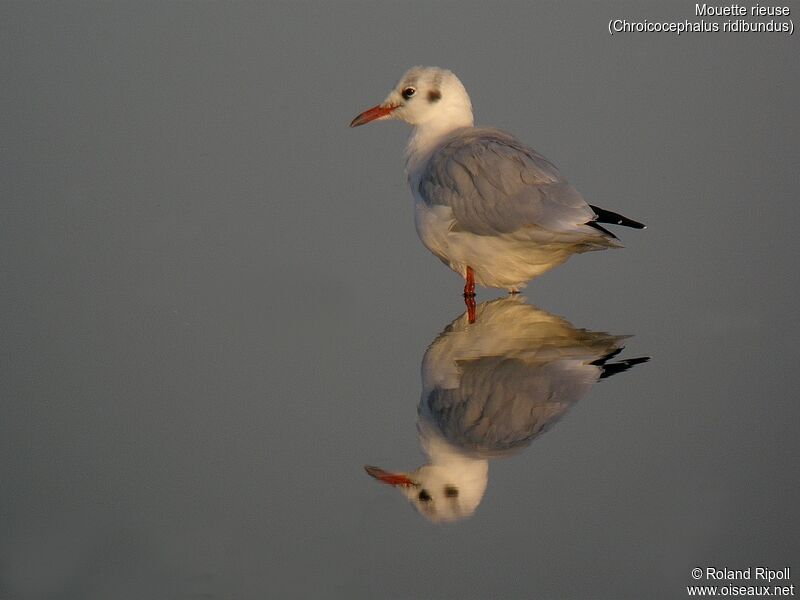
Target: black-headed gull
{"points": [[494, 210], [488, 390]]}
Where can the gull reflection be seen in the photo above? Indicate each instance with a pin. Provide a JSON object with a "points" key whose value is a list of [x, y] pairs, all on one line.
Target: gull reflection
{"points": [[489, 388]]}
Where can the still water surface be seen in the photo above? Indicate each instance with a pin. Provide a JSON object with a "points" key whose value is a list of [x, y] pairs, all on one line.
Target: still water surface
{"points": [[216, 312]]}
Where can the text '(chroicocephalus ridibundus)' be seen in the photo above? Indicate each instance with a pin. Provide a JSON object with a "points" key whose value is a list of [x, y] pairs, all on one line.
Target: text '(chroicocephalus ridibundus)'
{"points": [[494, 210]]}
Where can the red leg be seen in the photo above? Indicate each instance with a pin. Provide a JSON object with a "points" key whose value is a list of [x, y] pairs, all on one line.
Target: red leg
{"points": [[469, 295], [470, 302], [469, 287]]}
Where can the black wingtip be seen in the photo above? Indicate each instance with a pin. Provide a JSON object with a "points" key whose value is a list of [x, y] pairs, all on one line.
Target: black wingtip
{"points": [[612, 218], [602, 229]]}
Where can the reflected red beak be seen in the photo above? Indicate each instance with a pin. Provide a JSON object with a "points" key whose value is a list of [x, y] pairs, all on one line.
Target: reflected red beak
{"points": [[390, 478], [376, 112]]}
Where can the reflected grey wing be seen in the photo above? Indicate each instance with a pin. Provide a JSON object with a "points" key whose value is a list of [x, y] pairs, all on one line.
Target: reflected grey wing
{"points": [[502, 404], [496, 185]]}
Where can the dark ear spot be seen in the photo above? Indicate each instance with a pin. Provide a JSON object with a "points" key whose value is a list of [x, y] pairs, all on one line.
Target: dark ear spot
{"points": [[434, 96]]}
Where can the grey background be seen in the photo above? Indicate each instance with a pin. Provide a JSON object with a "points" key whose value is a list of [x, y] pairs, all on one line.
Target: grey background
{"points": [[214, 303]]}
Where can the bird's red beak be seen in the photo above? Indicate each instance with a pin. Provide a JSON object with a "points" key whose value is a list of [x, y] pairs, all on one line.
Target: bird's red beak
{"points": [[374, 113], [390, 478]]}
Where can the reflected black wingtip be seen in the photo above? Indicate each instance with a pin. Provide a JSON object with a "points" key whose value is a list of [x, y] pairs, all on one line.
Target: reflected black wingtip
{"points": [[621, 366]]}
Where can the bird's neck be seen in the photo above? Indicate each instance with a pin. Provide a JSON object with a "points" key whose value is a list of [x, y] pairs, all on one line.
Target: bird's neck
{"points": [[427, 136], [444, 454]]}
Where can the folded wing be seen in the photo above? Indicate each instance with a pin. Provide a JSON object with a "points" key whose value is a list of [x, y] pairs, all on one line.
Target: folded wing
{"points": [[496, 185]]}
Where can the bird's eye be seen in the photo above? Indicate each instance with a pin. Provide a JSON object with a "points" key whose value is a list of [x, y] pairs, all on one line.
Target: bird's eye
{"points": [[424, 496], [450, 491], [408, 92]]}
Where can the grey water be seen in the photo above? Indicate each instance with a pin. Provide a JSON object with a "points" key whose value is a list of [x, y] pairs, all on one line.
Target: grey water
{"points": [[215, 308]]}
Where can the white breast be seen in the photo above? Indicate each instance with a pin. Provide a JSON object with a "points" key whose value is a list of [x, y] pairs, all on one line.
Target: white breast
{"points": [[501, 261]]}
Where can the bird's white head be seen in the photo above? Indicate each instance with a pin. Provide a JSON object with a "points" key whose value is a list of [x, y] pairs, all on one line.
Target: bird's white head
{"points": [[427, 97], [450, 487], [441, 492]]}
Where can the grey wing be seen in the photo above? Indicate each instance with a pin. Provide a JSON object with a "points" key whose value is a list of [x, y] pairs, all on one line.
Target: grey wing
{"points": [[502, 404], [495, 185]]}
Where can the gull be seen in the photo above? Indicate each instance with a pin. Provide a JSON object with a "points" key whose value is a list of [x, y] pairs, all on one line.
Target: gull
{"points": [[495, 211], [488, 390]]}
